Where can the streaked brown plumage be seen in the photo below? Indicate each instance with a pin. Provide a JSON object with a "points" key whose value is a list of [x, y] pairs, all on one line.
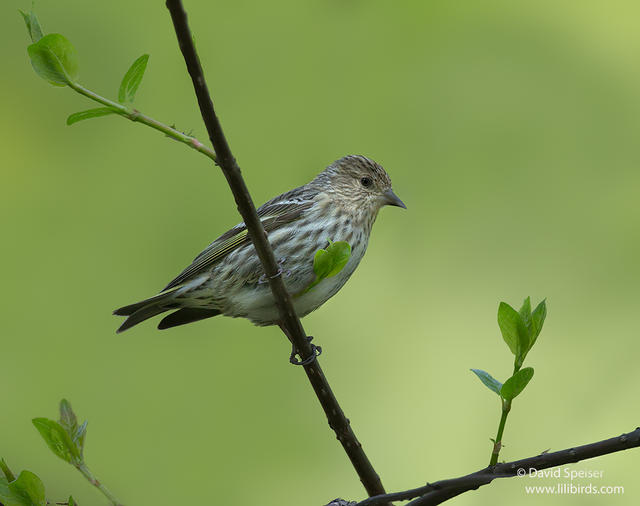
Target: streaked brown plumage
{"points": [[340, 204]]}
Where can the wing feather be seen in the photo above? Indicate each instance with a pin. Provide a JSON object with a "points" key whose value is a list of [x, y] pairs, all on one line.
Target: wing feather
{"points": [[274, 214]]}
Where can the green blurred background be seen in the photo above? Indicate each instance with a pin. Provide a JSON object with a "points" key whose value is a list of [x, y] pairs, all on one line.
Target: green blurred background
{"points": [[511, 131]]}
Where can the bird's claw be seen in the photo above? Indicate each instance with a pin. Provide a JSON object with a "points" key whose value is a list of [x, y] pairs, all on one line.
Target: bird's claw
{"points": [[316, 351], [265, 279]]}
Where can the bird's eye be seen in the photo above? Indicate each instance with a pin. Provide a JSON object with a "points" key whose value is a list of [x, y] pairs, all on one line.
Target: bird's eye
{"points": [[366, 182]]}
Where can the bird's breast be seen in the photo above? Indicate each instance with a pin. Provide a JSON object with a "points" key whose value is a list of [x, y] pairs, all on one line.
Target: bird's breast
{"points": [[295, 245]]}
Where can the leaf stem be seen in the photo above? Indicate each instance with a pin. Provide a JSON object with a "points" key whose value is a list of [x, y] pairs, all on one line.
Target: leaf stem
{"points": [[497, 444], [506, 407], [86, 472], [137, 116]]}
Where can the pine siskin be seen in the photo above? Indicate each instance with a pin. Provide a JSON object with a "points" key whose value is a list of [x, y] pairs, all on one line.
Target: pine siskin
{"points": [[227, 278]]}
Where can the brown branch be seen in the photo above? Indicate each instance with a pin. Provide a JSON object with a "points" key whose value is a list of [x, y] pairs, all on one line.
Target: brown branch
{"points": [[290, 321], [440, 491]]}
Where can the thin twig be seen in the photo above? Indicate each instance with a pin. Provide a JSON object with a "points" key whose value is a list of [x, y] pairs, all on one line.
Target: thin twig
{"points": [[497, 442], [136, 116], [86, 472], [440, 491], [337, 420]]}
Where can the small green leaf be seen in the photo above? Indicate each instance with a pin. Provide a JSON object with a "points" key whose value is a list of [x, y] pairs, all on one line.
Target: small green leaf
{"points": [[53, 58], [512, 328], [132, 79], [78, 437], [69, 422], [57, 439], [6, 471], [340, 252], [321, 264], [5, 493], [71, 501], [27, 490], [525, 314], [90, 113], [516, 383], [33, 26], [329, 262], [30, 487], [490, 382], [68, 418], [538, 316]]}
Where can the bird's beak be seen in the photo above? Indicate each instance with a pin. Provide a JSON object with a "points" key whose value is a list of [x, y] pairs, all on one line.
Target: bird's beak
{"points": [[392, 199]]}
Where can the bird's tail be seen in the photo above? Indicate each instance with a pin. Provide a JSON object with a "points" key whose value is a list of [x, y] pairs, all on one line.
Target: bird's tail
{"points": [[165, 301], [145, 309]]}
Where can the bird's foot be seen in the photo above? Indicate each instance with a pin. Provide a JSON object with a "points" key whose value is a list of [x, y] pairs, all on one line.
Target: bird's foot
{"points": [[316, 351], [265, 279], [281, 272]]}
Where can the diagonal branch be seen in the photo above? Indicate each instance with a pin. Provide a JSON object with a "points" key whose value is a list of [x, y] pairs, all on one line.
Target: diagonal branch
{"points": [[440, 491], [290, 321]]}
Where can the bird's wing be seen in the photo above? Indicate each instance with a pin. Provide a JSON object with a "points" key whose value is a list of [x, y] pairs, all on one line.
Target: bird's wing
{"points": [[274, 214]]}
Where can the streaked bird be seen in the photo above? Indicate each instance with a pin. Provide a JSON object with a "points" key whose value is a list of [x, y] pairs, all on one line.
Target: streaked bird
{"points": [[340, 204]]}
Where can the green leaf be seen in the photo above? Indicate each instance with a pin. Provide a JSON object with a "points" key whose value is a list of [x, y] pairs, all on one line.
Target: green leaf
{"points": [[53, 58], [538, 316], [78, 437], [516, 383], [340, 253], [525, 314], [327, 263], [5, 493], [71, 501], [68, 418], [57, 439], [513, 329], [90, 113], [27, 490], [33, 26], [29, 486], [321, 264], [132, 79], [69, 422], [490, 382], [6, 471]]}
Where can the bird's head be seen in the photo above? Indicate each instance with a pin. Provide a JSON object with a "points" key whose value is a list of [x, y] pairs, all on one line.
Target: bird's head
{"points": [[360, 182]]}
